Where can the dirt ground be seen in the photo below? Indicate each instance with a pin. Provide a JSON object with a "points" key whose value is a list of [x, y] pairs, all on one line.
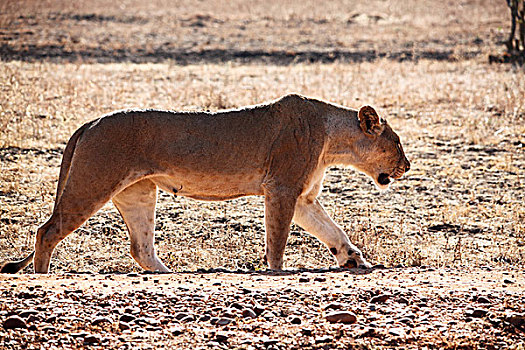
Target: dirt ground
{"points": [[451, 233], [409, 308]]}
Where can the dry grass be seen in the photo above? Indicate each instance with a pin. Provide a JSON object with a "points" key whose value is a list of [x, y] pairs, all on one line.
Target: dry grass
{"points": [[462, 122]]}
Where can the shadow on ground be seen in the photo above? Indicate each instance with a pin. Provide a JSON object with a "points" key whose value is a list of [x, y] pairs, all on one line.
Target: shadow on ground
{"points": [[32, 53]]}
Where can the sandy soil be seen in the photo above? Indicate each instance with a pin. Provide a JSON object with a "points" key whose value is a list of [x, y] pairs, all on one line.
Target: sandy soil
{"points": [[407, 307]]}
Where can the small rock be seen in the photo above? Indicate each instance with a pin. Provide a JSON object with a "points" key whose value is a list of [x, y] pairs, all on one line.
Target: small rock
{"points": [[33, 318], [223, 321], [397, 332], [477, 313], [402, 300], [269, 341], [259, 309], [248, 313], [123, 326], [517, 320], [341, 317], [188, 318], [78, 334], [51, 319], [222, 337], [483, 300], [99, 320], [176, 330], [147, 321], [25, 313], [380, 298], [181, 315], [406, 321], [51, 329], [333, 306], [92, 339], [14, 322], [127, 318], [268, 315], [304, 279], [205, 318], [307, 331], [294, 320], [237, 305], [323, 339], [320, 279], [508, 281]]}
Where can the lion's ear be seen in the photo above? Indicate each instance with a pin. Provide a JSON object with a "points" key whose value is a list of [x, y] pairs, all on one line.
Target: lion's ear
{"points": [[369, 121]]}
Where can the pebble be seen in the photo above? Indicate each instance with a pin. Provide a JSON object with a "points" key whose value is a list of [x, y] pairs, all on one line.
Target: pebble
{"points": [[406, 321], [237, 305], [380, 298], [269, 341], [176, 330], [323, 339], [205, 318], [25, 313], [402, 300], [222, 337], [52, 329], [14, 322], [147, 320], [181, 315], [517, 320], [333, 306], [294, 320], [223, 321], [397, 332], [483, 300], [268, 315], [78, 335], [188, 318], [99, 320], [258, 309], [341, 317], [123, 326], [307, 331], [477, 313], [248, 313], [51, 319], [127, 318], [92, 339]]}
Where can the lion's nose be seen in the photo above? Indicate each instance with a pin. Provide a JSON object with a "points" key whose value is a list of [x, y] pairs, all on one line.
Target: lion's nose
{"points": [[407, 166]]}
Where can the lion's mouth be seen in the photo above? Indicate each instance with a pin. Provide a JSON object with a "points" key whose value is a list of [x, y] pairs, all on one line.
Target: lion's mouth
{"points": [[383, 179], [397, 173]]}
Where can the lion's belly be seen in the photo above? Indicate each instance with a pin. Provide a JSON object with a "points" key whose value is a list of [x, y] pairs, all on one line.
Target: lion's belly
{"points": [[211, 187]]}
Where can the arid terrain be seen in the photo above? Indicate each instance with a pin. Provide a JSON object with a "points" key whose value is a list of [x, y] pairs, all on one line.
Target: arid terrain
{"points": [[450, 234]]}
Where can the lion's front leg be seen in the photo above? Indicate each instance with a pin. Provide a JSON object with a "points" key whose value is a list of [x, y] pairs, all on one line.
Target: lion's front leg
{"points": [[278, 212], [311, 216]]}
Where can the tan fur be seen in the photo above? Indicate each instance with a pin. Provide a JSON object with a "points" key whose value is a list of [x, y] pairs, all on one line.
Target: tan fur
{"points": [[279, 150]]}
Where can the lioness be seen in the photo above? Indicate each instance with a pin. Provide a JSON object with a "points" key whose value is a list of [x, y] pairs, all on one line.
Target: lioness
{"points": [[279, 150]]}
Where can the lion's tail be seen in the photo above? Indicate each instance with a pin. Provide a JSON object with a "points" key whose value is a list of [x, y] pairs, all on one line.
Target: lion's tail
{"points": [[15, 266]]}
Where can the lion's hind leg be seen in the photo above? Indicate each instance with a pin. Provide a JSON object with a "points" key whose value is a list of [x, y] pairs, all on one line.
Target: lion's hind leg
{"points": [[62, 222], [136, 204], [82, 196]]}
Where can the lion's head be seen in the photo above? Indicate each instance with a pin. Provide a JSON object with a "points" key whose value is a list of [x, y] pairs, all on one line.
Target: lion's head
{"points": [[379, 150]]}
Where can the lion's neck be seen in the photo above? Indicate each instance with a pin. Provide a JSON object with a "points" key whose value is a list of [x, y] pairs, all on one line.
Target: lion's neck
{"points": [[343, 136]]}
